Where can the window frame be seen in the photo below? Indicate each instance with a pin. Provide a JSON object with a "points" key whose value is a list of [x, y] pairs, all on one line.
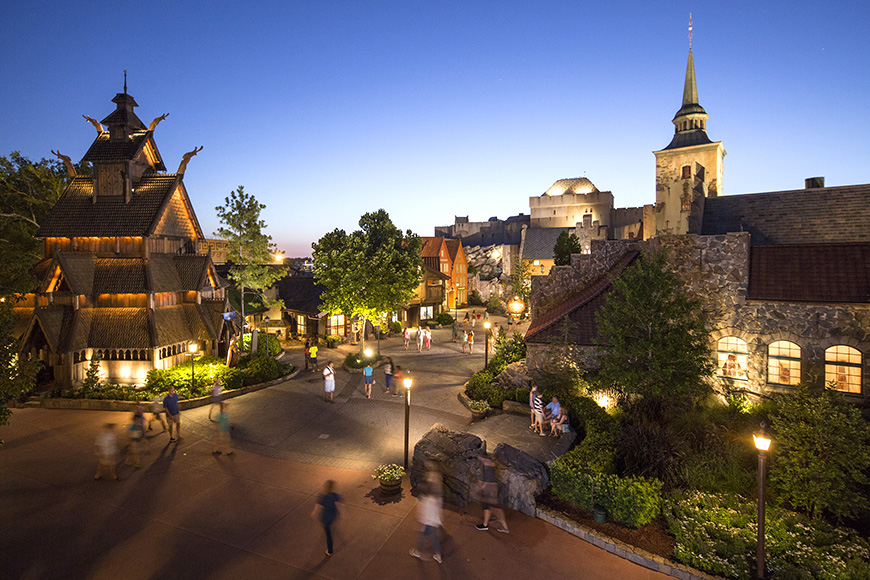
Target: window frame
{"points": [[840, 368], [739, 350], [793, 369]]}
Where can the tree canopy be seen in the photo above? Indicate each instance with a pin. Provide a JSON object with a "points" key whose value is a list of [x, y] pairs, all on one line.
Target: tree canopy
{"points": [[653, 340], [28, 191], [370, 271], [566, 244], [251, 249]]}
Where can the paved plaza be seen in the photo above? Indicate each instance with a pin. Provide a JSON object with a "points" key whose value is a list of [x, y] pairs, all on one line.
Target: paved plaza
{"points": [[188, 514]]}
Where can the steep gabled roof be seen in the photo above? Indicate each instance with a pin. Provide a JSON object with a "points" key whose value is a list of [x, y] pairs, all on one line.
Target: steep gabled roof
{"points": [[115, 328], [76, 214], [837, 273], [453, 248], [119, 276], [78, 268], [431, 247], [825, 214], [580, 309], [104, 150], [192, 270]]}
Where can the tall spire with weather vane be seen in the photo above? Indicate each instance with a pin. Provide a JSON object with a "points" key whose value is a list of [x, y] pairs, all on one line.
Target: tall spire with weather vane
{"points": [[690, 122]]}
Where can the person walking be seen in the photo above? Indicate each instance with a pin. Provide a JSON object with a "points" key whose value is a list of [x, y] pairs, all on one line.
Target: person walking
{"points": [[388, 374], [471, 342], [329, 382], [538, 406], [173, 414], [368, 379], [418, 337], [397, 381], [429, 515], [427, 338], [455, 327], [157, 413], [312, 352], [489, 496], [216, 397], [136, 433], [307, 354], [222, 436], [474, 316], [328, 512], [464, 341], [107, 451], [406, 337]]}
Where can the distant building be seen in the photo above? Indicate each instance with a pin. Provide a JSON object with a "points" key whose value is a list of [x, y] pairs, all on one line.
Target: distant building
{"points": [[219, 249]]}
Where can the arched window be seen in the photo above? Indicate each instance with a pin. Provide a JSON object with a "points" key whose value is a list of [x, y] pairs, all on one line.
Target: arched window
{"points": [[75, 358], [843, 368], [731, 352], [127, 355], [783, 363]]}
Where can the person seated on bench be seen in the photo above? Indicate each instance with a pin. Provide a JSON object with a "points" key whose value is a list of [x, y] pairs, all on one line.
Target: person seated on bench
{"points": [[559, 423], [551, 411]]}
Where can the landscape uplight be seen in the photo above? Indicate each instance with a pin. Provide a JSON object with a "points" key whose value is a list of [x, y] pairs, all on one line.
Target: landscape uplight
{"points": [[762, 443], [407, 382]]}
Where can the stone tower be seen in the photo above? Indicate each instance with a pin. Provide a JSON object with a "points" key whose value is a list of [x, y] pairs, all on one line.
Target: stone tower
{"points": [[689, 169]]}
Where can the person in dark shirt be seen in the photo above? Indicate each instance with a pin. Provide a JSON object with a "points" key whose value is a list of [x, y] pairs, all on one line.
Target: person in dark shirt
{"points": [[326, 504], [173, 414]]}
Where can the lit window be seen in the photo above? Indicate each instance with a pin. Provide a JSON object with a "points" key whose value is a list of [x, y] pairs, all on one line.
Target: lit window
{"points": [[732, 358], [426, 312], [335, 325], [783, 363], [300, 324], [843, 368]]}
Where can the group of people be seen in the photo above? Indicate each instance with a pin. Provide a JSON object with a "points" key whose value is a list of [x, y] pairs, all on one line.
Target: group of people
{"points": [[429, 506], [552, 414], [423, 338], [167, 413]]}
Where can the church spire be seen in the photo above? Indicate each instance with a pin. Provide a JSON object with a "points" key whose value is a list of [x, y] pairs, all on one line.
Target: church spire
{"points": [[690, 89], [690, 122]]}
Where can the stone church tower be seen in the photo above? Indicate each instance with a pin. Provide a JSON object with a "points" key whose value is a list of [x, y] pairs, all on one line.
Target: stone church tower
{"points": [[689, 169]]}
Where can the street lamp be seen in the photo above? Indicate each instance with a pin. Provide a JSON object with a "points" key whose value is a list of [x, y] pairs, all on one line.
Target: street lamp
{"points": [[762, 443], [192, 348], [516, 307], [487, 326], [407, 381]]}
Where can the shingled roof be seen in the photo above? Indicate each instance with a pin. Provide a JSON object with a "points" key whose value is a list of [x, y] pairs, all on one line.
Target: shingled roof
{"points": [[825, 214], [810, 273], [539, 242], [77, 215], [104, 150], [117, 327], [580, 310], [119, 276]]}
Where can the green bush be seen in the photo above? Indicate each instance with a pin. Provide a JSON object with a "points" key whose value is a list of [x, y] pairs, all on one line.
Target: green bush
{"points": [[634, 501], [495, 306], [261, 369], [717, 532], [396, 327], [332, 339], [264, 341], [474, 299], [480, 388], [357, 360], [444, 319], [508, 349]]}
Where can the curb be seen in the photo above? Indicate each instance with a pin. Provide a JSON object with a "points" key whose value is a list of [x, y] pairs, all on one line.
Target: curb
{"points": [[130, 406], [623, 550]]}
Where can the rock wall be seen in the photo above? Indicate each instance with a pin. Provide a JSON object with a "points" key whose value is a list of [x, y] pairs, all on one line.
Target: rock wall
{"points": [[521, 477]]}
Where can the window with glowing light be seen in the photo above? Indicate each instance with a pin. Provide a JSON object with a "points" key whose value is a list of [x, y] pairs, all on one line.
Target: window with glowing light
{"points": [[731, 352], [427, 312], [783, 363], [843, 368], [335, 325]]}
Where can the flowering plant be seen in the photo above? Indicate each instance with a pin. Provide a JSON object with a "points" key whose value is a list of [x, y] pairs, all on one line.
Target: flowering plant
{"points": [[389, 472], [481, 406]]}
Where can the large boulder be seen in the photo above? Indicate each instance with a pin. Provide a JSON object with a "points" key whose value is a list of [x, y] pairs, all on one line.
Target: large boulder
{"points": [[514, 375], [521, 477], [455, 454]]}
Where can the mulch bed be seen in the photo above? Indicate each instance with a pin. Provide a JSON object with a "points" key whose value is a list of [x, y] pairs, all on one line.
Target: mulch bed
{"points": [[652, 537]]}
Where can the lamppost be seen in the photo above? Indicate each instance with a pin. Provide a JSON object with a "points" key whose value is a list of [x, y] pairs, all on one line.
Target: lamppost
{"points": [[407, 381], [762, 443], [487, 326], [192, 348]]}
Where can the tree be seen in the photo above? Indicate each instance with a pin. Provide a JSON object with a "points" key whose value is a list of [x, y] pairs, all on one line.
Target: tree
{"points": [[821, 454], [521, 279], [251, 250], [370, 271], [653, 340], [566, 244], [17, 375], [28, 191]]}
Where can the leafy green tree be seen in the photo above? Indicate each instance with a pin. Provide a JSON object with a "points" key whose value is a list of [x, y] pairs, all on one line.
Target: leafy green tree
{"points": [[821, 454], [521, 280], [566, 244], [653, 340], [28, 191], [370, 271], [251, 250], [17, 376]]}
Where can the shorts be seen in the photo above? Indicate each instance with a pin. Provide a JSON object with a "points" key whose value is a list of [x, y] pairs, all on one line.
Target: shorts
{"points": [[369, 380], [329, 386], [174, 418], [539, 417]]}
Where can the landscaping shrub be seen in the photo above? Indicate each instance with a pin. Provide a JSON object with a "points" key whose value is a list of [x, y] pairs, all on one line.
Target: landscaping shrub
{"points": [[717, 533], [495, 306], [264, 341], [474, 298], [480, 388], [396, 327], [261, 369], [508, 349], [444, 319], [634, 501], [357, 360]]}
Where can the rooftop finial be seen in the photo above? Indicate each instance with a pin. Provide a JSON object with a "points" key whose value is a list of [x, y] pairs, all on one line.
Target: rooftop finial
{"points": [[690, 32], [125, 71]]}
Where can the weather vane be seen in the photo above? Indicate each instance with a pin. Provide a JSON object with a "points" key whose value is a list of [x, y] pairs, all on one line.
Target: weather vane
{"points": [[125, 71], [690, 31]]}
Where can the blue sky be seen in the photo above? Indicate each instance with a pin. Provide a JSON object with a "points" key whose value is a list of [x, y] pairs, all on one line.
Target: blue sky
{"points": [[325, 110]]}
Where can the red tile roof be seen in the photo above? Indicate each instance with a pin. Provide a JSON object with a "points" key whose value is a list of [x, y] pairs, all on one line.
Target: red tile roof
{"points": [[810, 273]]}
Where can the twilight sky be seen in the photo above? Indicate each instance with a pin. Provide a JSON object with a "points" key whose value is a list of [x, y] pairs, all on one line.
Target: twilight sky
{"points": [[325, 109]]}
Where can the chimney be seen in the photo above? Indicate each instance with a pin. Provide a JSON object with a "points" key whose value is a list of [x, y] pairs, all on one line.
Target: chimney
{"points": [[814, 182]]}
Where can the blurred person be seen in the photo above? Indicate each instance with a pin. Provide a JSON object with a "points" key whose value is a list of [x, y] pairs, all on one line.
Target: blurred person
{"points": [[329, 382], [326, 512], [157, 413], [136, 434], [106, 448], [388, 374], [216, 397], [222, 436], [489, 496], [429, 514]]}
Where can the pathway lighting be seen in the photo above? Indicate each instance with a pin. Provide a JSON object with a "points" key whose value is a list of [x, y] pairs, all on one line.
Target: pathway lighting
{"points": [[407, 381], [192, 348], [487, 326], [762, 443]]}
